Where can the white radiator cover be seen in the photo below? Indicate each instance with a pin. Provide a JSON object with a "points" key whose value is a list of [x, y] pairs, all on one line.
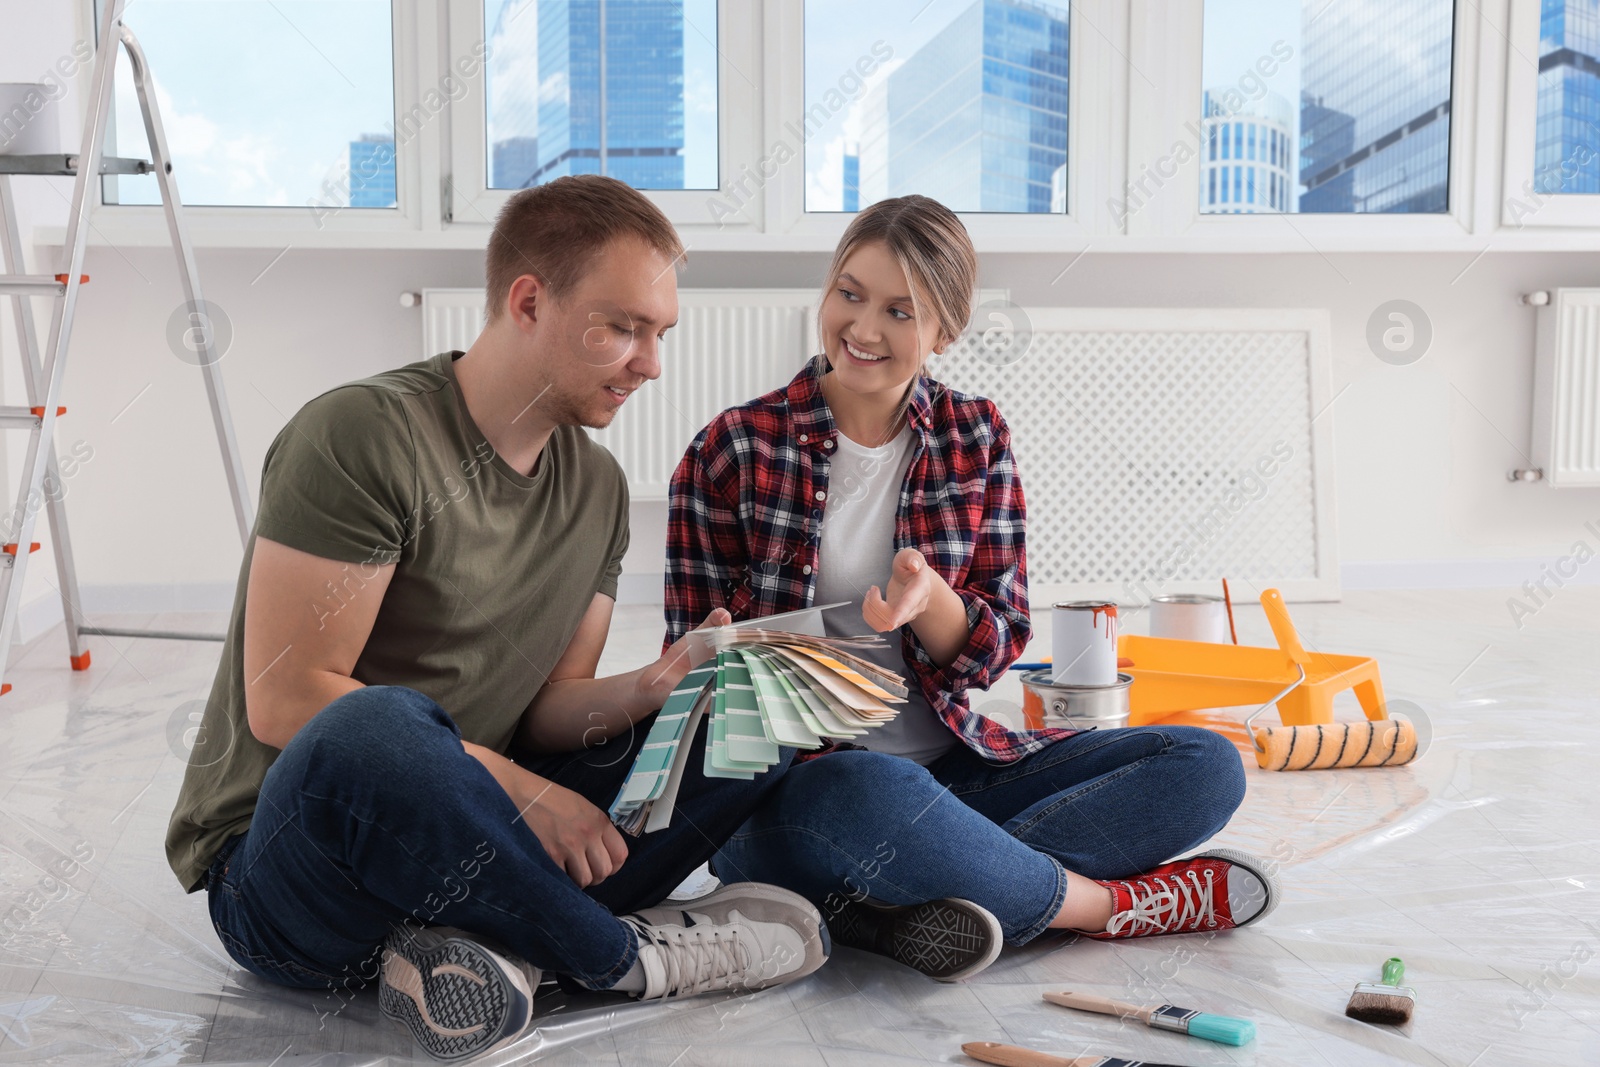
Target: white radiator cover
{"points": [[1138, 433], [1566, 389], [1131, 427]]}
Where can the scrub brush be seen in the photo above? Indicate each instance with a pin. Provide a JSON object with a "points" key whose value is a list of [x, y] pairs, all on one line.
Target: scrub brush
{"points": [[1389, 1003]]}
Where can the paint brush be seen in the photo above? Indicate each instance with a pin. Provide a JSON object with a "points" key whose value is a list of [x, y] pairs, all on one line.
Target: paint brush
{"points": [[1016, 1056], [1389, 1003], [1223, 1028]]}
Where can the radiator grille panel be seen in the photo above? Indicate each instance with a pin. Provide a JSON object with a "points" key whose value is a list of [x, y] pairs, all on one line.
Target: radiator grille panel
{"points": [[1138, 449]]}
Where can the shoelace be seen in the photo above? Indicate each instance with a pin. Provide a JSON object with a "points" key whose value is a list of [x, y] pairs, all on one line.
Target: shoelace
{"points": [[1172, 904], [697, 959]]}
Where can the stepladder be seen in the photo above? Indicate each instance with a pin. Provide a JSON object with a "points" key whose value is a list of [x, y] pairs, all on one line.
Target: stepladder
{"points": [[40, 483]]}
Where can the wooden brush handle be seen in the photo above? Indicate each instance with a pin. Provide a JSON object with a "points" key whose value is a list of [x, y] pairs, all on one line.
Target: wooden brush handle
{"points": [[1013, 1056], [1103, 1005]]}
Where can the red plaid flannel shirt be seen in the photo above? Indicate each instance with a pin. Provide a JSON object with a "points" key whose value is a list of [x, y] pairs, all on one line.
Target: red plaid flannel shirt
{"points": [[745, 518]]}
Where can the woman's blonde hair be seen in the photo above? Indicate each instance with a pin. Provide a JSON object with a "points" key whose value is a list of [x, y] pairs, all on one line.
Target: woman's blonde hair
{"points": [[935, 252]]}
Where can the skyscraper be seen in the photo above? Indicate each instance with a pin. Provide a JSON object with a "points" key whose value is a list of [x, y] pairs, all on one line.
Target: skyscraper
{"points": [[1247, 157], [515, 160], [372, 171], [1375, 106], [611, 97], [852, 182], [977, 117], [1565, 156]]}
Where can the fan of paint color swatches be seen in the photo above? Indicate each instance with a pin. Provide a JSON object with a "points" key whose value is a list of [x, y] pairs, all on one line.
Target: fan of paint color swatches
{"points": [[765, 690]]}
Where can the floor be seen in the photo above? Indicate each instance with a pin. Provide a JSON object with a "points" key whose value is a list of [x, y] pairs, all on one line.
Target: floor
{"points": [[1479, 865]]}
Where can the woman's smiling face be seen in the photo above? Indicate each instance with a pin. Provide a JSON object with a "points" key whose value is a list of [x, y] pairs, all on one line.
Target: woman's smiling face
{"points": [[869, 328]]}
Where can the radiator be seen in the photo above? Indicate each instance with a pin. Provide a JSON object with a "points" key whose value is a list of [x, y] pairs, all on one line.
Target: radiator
{"points": [[1566, 389], [1142, 435], [730, 345], [1163, 449]]}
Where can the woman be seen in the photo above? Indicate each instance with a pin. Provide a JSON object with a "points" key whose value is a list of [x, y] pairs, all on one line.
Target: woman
{"points": [[865, 481]]}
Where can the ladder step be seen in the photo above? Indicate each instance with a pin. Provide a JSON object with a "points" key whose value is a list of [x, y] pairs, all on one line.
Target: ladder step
{"points": [[19, 418], [83, 279], [32, 284], [11, 549], [67, 165]]}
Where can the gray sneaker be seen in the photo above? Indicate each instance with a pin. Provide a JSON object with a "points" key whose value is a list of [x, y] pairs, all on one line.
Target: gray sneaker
{"points": [[947, 939], [459, 994], [744, 936]]}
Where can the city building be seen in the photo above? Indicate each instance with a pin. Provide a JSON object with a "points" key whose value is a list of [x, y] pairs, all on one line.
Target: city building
{"points": [[1375, 107], [1566, 154], [514, 161], [852, 182], [620, 108], [1247, 159], [372, 171], [977, 117]]}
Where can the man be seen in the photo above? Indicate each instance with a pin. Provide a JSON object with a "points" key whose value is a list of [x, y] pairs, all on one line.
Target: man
{"points": [[429, 585]]}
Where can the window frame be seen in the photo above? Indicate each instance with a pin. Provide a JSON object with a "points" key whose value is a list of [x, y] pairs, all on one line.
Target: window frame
{"points": [[1166, 37], [247, 226], [468, 199], [1086, 184], [1118, 121], [1522, 206]]}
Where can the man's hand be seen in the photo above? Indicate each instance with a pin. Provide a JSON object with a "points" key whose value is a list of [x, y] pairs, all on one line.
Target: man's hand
{"points": [[911, 583], [575, 833], [657, 681]]}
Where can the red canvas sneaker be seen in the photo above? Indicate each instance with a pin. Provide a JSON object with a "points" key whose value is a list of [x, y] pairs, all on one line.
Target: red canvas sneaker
{"points": [[1216, 890]]}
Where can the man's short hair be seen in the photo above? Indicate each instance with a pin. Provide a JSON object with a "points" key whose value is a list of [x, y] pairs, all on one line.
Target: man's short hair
{"points": [[554, 232]]}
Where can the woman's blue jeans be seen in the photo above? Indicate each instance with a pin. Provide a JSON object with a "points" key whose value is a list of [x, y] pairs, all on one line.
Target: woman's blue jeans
{"points": [[374, 817], [1101, 803]]}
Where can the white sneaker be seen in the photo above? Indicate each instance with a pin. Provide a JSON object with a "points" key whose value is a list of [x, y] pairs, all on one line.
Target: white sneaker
{"points": [[457, 995], [743, 937]]}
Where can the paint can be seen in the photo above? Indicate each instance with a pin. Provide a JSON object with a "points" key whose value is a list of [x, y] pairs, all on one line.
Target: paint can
{"points": [[1083, 643], [1076, 707], [1190, 617]]}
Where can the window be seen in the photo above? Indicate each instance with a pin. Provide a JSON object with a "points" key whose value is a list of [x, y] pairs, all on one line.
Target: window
{"points": [[626, 88], [961, 100], [1565, 155], [288, 103], [1362, 86]]}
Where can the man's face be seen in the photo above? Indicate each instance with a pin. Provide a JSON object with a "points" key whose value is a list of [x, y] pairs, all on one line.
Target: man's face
{"points": [[602, 340]]}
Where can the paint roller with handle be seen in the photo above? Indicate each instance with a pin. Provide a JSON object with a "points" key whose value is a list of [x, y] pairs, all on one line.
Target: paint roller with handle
{"points": [[1382, 742]]}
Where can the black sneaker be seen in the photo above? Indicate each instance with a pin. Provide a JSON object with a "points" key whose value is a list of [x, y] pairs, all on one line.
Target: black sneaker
{"points": [[947, 939], [458, 996]]}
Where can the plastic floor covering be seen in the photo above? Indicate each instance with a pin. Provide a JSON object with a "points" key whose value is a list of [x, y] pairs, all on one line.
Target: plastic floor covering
{"points": [[1479, 865]]}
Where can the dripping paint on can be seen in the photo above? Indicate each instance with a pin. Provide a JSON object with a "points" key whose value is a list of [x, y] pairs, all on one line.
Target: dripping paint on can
{"points": [[1084, 643]]}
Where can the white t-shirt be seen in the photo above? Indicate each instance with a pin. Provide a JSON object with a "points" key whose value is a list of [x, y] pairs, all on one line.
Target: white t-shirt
{"points": [[856, 552]]}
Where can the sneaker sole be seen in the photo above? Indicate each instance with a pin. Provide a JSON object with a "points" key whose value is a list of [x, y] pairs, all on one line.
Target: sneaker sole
{"points": [[452, 995], [946, 940], [1265, 871]]}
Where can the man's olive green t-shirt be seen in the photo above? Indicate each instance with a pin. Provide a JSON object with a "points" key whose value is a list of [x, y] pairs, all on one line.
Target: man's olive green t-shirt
{"points": [[494, 570]]}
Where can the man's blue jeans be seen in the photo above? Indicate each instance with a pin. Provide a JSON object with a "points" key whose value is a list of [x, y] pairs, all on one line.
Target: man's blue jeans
{"points": [[1102, 803], [374, 816]]}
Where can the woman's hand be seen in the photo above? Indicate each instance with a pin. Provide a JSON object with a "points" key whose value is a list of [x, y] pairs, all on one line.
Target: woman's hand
{"points": [[911, 584], [657, 681]]}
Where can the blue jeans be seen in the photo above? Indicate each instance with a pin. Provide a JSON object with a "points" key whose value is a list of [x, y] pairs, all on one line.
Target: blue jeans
{"points": [[1102, 803], [374, 816]]}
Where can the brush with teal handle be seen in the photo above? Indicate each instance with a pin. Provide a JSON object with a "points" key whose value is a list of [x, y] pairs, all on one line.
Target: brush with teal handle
{"points": [[1223, 1028]]}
